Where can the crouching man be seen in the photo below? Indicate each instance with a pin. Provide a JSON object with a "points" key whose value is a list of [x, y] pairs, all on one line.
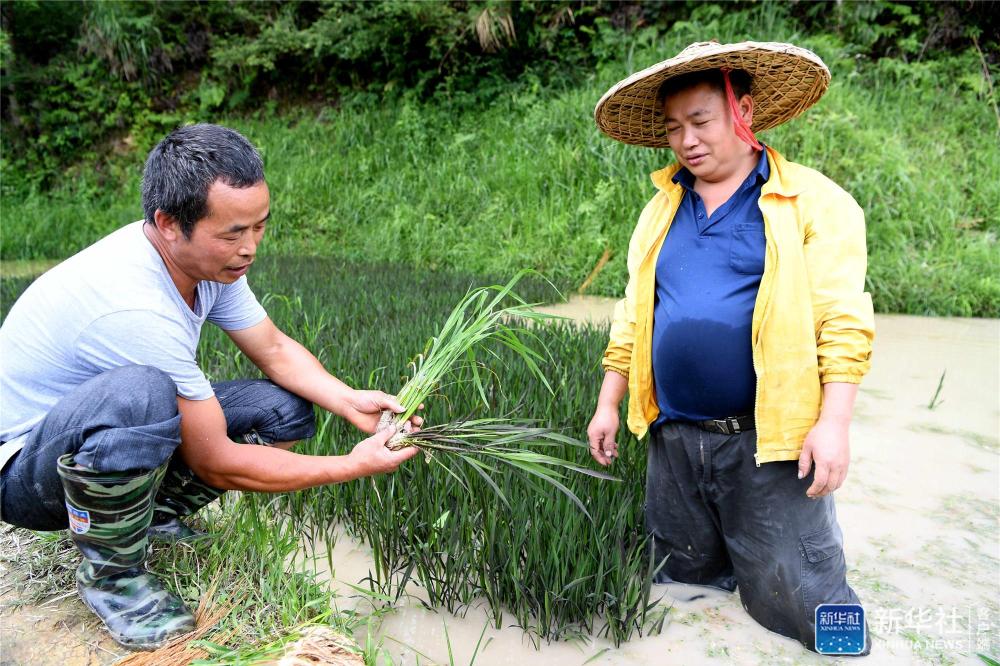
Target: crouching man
{"points": [[743, 334], [108, 425]]}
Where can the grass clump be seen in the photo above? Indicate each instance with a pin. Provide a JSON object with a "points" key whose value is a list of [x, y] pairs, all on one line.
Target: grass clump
{"points": [[240, 576]]}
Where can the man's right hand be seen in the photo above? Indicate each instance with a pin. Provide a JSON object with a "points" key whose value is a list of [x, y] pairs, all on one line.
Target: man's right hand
{"points": [[601, 434], [224, 464], [372, 457]]}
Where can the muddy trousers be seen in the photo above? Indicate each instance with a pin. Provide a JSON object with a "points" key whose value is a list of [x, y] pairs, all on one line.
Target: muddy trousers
{"points": [[126, 419], [720, 520]]}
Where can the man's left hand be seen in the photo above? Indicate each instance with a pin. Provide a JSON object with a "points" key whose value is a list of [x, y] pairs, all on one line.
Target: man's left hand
{"points": [[827, 446], [364, 409]]}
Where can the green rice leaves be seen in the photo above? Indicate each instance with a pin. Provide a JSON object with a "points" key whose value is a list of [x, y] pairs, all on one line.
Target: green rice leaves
{"points": [[488, 314], [494, 314], [487, 442]]}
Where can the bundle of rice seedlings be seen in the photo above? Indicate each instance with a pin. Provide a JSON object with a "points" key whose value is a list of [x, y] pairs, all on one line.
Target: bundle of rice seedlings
{"points": [[494, 314]]}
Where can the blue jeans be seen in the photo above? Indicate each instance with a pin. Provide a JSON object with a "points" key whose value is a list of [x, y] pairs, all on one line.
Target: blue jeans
{"points": [[126, 419]]}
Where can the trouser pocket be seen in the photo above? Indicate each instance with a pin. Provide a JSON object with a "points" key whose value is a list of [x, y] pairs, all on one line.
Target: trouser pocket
{"points": [[824, 570]]}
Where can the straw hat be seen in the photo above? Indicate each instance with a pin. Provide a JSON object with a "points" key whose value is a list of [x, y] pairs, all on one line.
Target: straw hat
{"points": [[786, 80]]}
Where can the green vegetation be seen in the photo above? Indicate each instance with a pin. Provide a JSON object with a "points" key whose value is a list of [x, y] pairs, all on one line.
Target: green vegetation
{"points": [[555, 571], [245, 563], [411, 146], [551, 569], [470, 171], [486, 317], [485, 314]]}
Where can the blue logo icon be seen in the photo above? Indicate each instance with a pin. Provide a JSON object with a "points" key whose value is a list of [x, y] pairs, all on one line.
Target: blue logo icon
{"points": [[840, 629]]}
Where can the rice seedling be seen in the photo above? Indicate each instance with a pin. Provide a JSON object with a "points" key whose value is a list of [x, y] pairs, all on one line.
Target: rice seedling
{"points": [[935, 402], [487, 314], [479, 318], [536, 557]]}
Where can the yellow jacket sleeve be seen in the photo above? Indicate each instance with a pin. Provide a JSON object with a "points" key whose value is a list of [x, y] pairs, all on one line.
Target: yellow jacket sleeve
{"points": [[618, 355], [836, 260]]}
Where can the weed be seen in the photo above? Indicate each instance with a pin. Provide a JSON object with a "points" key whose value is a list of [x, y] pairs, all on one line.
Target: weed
{"points": [[935, 402]]}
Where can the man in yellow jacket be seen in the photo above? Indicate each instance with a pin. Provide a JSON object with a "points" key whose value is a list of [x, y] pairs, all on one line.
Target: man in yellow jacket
{"points": [[742, 336]]}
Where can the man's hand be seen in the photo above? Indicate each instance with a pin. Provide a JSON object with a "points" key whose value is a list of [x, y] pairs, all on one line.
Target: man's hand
{"points": [[827, 443], [828, 447], [601, 434], [364, 408], [372, 457], [603, 427]]}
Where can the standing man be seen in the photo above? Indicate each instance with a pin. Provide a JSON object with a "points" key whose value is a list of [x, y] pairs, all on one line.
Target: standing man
{"points": [[743, 333], [108, 424]]}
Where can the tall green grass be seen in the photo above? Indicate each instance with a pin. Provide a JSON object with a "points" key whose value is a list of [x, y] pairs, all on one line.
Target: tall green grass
{"points": [[529, 182]]}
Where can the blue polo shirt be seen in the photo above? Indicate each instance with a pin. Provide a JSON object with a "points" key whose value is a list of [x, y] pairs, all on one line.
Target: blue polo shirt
{"points": [[707, 275]]}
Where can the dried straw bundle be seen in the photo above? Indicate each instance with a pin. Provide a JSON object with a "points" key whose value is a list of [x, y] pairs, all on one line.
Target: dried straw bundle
{"points": [[320, 644]]}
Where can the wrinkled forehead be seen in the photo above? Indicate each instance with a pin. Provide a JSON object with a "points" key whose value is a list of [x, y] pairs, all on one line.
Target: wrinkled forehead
{"points": [[228, 202]]}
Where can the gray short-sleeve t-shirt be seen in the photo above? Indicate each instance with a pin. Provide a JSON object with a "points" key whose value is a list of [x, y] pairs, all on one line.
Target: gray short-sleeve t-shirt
{"points": [[113, 304]]}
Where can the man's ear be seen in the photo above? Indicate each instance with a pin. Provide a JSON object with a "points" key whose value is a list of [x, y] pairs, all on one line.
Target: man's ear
{"points": [[167, 225], [746, 109]]}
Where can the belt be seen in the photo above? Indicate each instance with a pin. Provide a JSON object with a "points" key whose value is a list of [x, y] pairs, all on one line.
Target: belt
{"points": [[731, 425]]}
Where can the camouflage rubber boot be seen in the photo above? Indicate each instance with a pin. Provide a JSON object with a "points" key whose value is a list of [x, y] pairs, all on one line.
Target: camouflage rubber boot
{"points": [[109, 513], [182, 494]]}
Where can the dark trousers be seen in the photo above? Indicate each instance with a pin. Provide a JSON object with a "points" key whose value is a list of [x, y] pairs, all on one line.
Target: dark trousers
{"points": [[126, 419], [722, 521]]}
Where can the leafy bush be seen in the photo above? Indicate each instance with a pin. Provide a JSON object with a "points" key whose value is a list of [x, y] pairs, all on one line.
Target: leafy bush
{"points": [[84, 79], [496, 176]]}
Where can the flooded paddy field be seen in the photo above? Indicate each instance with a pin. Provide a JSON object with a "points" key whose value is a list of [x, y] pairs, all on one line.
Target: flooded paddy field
{"points": [[919, 513]]}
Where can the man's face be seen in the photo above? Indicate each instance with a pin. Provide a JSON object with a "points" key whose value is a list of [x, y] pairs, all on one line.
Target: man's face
{"points": [[700, 132], [224, 243]]}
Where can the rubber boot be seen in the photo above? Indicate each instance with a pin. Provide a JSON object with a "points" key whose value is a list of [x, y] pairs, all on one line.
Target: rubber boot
{"points": [[109, 513], [182, 494]]}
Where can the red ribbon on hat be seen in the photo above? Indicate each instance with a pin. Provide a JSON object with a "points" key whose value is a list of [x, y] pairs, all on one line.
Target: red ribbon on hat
{"points": [[740, 126]]}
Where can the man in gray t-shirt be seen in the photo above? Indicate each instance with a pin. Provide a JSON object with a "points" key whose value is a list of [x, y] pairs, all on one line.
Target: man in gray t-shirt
{"points": [[109, 427]]}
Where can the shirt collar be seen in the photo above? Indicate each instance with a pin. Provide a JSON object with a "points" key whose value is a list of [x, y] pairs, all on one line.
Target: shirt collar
{"points": [[757, 177]]}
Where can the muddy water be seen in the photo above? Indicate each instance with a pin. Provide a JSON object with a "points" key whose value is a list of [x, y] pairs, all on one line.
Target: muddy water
{"points": [[919, 513]]}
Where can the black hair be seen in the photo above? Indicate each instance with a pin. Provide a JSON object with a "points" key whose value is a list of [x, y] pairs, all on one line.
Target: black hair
{"points": [[740, 79], [183, 166]]}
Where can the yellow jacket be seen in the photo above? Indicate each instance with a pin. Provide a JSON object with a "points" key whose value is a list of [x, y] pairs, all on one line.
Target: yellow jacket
{"points": [[812, 321]]}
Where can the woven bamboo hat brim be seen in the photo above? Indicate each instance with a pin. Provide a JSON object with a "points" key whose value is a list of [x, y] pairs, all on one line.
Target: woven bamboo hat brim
{"points": [[786, 80]]}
